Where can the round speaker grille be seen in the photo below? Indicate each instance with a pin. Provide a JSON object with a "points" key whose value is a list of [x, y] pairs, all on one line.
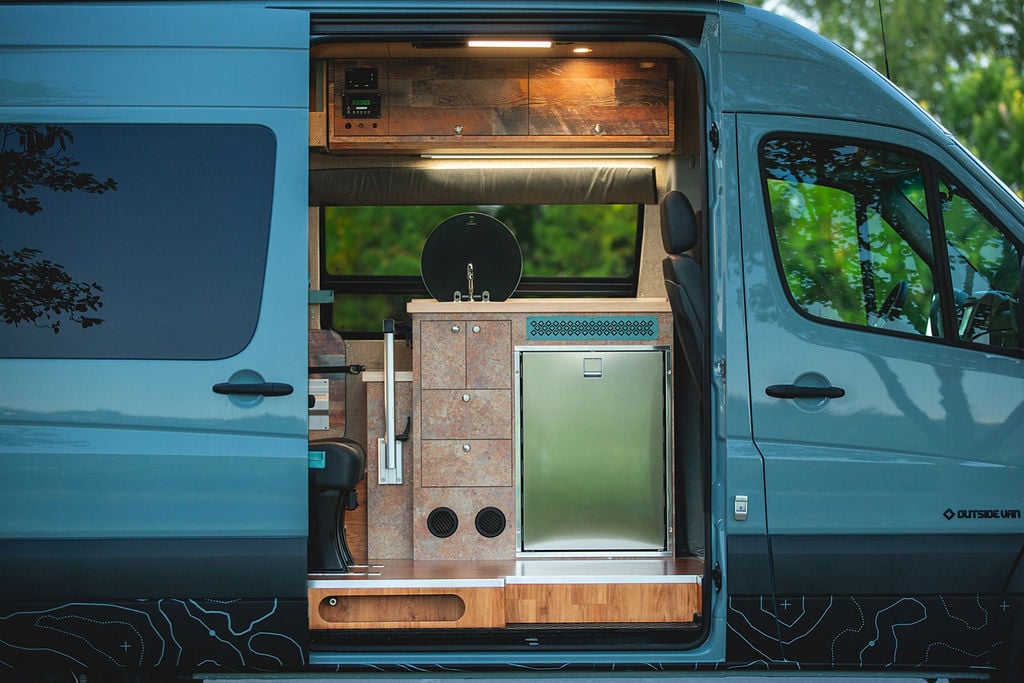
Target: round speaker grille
{"points": [[490, 522], [442, 522]]}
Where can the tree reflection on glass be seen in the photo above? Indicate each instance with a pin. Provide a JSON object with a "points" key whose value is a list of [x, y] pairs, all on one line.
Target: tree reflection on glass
{"points": [[852, 235], [34, 289]]}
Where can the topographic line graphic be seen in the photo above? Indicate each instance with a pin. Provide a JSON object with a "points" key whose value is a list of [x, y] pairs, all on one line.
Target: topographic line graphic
{"points": [[973, 655], [769, 639], [95, 622], [268, 634], [894, 656], [170, 631], [816, 624], [212, 632], [839, 635], [92, 617], [977, 600], [14, 646], [227, 616]]}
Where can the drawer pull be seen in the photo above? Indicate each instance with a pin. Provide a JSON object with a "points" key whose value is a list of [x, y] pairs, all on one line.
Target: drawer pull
{"points": [[476, 329], [465, 398], [455, 329], [466, 448]]}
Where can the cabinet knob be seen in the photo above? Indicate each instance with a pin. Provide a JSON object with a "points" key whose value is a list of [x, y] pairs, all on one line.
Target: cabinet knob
{"points": [[465, 398], [476, 329], [456, 329], [466, 448]]}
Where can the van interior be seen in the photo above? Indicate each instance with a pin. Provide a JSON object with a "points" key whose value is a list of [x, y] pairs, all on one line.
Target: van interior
{"points": [[506, 345]]}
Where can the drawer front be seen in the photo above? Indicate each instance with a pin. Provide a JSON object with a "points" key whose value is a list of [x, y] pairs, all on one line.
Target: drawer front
{"points": [[466, 462], [466, 414], [489, 354], [442, 354]]}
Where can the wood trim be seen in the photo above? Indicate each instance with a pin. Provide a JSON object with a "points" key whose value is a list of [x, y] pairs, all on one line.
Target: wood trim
{"points": [[578, 306], [495, 593], [432, 607], [589, 603]]}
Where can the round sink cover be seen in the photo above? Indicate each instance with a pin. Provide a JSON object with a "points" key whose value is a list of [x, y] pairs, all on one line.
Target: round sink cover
{"points": [[471, 242]]}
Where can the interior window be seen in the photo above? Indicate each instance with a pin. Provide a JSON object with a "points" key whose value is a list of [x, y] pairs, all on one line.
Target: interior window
{"points": [[984, 267], [852, 233], [371, 254]]}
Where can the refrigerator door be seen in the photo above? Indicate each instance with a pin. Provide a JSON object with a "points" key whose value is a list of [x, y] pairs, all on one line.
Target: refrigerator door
{"points": [[593, 449]]}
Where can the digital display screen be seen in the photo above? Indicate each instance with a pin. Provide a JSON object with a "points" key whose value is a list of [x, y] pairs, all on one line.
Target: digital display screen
{"points": [[361, 106]]}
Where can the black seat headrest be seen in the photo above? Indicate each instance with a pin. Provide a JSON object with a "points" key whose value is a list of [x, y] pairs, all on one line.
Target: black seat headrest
{"points": [[679, 230]]}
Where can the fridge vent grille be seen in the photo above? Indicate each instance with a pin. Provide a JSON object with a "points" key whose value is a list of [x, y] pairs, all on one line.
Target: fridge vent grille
{"points": [[603, 327]]}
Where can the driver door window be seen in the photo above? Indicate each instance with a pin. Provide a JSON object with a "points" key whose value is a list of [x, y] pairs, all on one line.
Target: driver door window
{"points": [[853, 225], [852, 234]]}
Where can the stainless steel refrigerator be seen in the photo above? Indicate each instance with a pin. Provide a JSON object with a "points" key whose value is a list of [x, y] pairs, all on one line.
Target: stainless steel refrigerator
{"points": [[593, 467]]}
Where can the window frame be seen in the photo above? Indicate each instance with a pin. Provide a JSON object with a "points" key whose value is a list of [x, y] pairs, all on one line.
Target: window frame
{"points": [[938, 260]]}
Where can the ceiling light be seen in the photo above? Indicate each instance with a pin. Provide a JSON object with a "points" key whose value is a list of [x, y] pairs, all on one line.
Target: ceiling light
{"points": [[510, 43]]}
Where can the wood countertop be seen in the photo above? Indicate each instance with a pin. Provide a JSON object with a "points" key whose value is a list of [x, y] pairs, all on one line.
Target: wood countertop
{"points": [[582, 305]]}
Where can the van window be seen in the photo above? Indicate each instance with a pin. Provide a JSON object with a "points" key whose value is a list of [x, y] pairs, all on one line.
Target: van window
{"points": [[984, 267], [132, 241], [371, 254], [851, 233], [853, 236]]}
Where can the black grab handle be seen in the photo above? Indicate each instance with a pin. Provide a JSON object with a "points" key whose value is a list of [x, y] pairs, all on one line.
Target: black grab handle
{"points": [[254, 389], [796, 391]]}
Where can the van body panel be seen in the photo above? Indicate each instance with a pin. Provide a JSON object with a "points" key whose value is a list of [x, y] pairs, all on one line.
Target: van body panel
{"points": [[899, 453], [149, 521], [755, 42], [106, 456]]}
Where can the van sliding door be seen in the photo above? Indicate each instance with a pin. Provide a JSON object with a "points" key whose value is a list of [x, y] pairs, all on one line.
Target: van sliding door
{"points": [[153, 336]]}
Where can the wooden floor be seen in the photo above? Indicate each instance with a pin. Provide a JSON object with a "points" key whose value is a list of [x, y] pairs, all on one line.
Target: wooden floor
{"points": [[496, 594]]}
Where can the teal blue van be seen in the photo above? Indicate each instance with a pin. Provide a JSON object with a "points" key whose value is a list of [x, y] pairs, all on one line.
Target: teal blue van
{"points": [[490, 338]]}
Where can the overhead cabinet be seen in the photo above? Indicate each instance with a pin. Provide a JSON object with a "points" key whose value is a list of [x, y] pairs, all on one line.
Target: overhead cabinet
{"points": [[515, 103]]}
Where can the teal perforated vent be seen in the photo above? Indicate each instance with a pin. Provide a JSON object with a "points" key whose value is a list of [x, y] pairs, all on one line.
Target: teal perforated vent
{"points": [[593, 328]]}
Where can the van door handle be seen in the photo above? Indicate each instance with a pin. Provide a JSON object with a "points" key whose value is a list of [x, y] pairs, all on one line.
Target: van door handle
{"points": [[254, 389], [797, 391]]}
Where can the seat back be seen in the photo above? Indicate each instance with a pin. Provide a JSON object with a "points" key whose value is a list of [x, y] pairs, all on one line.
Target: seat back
{"points": [[684, 284], [684, 279]]}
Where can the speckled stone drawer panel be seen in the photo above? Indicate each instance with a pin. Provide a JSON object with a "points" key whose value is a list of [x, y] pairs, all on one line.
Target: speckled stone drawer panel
{"points": [[466, 543], [466, 414], [489, 354], [449, 463], [389, 507]]}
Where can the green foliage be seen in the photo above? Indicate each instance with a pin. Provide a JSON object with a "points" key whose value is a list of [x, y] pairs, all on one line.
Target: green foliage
{"points": [[578, 241], [961, 59], [556, 240], [995, 131]]}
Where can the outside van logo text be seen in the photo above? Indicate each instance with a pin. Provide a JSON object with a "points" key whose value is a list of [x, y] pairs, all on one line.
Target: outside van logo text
{"points": [[950, 514]]}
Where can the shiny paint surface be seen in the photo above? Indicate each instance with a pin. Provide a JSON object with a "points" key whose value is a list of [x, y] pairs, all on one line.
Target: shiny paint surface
{"points": [[925, 429], [123, 449]]}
